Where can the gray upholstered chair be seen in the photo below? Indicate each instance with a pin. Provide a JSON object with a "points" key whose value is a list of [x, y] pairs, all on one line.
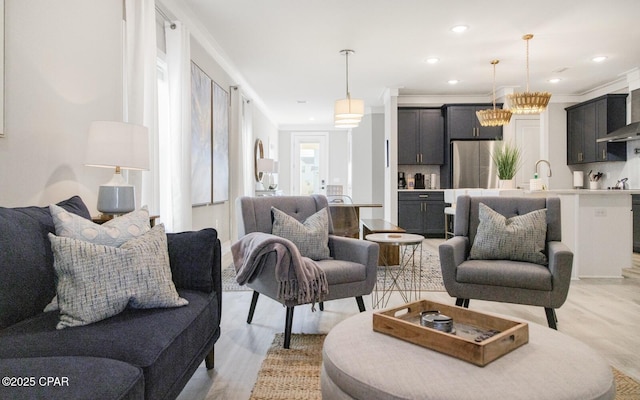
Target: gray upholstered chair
{"points": [[504, 280], [351, 272]]}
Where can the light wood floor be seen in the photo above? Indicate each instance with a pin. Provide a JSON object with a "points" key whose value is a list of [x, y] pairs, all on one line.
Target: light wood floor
{"points": [[604, 313]]}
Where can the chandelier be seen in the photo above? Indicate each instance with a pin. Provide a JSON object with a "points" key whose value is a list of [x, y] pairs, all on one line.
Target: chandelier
{"points": [[528, 102], [348, 112], [495, 116]]}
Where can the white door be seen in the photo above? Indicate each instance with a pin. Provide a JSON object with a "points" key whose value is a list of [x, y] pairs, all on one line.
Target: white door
{"points": [[527, 133], [309, 163]]}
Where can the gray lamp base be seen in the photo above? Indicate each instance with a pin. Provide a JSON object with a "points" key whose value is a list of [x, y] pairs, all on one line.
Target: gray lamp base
{"points": [[116, 199]]}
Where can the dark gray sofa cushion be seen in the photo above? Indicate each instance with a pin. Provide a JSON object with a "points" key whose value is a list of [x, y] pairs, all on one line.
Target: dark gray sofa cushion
{"points": [[191, 255], [160, 341], [27, 278], [87, 378]]}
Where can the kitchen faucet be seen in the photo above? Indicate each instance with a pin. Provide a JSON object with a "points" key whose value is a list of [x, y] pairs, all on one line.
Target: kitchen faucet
{"points": [[546, 162]]}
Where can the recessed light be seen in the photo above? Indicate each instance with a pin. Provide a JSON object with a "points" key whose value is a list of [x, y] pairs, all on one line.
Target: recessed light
{"points": [[599, 59], [431, 60], [453, 81], [554, 80], [301, 101], [459, 28]]}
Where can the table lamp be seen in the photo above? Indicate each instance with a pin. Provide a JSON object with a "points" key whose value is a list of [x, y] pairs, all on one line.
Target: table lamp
{"points": [[121, 146], [266, 166]]}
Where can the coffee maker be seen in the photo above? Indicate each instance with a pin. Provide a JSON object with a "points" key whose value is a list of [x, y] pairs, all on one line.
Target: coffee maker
{"points": [[419, 179], [402, 182]]}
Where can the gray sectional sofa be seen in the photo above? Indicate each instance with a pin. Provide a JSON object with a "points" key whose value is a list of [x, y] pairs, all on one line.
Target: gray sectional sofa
{"points": [[136, 354]]}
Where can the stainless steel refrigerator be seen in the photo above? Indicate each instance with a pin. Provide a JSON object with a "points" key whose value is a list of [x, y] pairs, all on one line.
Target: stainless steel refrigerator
{"points": [[472, 166]]}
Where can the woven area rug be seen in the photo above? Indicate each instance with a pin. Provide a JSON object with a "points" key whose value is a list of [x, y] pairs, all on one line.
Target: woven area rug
{"points": [[431, 274], [292, 373], [295, 373]]}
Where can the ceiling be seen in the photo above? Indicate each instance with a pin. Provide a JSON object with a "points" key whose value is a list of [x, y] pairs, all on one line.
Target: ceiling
{"points": [[286, 53]]}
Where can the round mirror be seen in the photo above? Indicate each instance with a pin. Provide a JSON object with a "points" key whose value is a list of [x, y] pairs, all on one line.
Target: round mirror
{"points": [[258, 153]]}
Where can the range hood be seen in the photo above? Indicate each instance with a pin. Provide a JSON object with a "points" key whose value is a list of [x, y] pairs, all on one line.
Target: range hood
{"points": [[631, 131], [624, 134]]}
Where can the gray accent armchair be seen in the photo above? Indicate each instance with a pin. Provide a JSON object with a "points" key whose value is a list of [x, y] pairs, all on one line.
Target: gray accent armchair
{"points": [[350, 273], [504, 280]]}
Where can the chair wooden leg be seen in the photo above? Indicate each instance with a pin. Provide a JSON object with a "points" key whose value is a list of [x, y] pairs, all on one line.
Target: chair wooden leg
{"points": [[321, 305], [551, 318], [360, 303], [209, 360], [252, 308], [287, 327]]}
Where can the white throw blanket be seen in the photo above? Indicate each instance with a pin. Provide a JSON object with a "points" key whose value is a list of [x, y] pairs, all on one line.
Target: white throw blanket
{"points": [[300, 279]]}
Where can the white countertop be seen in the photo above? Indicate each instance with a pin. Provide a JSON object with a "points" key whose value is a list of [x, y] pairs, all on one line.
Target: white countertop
{"points": [[586, 192], [420, 190]]}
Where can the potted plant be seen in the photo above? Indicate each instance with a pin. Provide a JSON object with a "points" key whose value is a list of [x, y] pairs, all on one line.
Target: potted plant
{"points": [[508, 162]]}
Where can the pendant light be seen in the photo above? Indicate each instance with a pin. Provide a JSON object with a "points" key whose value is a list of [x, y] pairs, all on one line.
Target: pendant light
{"points": [[348, 112], [495, 116], [528, 102]]}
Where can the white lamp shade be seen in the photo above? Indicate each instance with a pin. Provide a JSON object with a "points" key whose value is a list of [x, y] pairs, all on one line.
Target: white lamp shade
{"points": [[349, 108], [266, 165], [347, 120], [345, 125], [118, 144]]}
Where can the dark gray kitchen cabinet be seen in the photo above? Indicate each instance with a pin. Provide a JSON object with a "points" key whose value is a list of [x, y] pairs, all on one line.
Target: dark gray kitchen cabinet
{"points": [[592, 120], [422, 212], [462, 123], [420, 137]]}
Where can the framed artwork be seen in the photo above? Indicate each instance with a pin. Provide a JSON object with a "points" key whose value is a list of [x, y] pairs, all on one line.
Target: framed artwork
{"points": [[220, 144], [201, 137]]}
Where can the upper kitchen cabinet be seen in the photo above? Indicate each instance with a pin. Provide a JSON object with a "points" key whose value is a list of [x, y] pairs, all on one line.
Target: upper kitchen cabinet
{"points": [[420, 136], [462, 123], [592, 120]]}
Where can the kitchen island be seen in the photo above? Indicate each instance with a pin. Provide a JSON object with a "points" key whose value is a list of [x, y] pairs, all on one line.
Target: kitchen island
{"points": [[597, 226]]}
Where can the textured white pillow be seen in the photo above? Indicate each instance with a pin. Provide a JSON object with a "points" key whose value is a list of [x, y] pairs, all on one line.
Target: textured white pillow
{"points": [[112, 233], [97, 282], [519, 238], [311, 237]]}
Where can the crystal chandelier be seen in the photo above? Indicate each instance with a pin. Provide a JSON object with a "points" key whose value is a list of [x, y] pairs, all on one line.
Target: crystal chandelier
{"points": [[495, 116], [528, 102]]}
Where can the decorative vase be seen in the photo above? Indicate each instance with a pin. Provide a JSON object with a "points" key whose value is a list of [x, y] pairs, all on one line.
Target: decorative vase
{"points": [[507, 183]]}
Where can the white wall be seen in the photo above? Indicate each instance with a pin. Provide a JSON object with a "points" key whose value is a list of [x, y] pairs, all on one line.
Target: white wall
{"points": [[365, 153], [63, 69]]}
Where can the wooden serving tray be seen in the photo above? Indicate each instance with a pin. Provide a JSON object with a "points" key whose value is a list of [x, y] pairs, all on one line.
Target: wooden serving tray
{"points": [[404, 323]]}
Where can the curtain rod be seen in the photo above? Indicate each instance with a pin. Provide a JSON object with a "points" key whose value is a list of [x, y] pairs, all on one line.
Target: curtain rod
{"points": [[165, 17]]}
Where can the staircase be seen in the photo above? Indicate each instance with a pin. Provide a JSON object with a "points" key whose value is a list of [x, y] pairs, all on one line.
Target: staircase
{"points": [[633, 272]]}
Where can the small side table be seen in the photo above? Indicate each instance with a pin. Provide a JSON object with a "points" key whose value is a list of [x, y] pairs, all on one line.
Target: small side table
{"points": [[102, 218], [410, 247]]}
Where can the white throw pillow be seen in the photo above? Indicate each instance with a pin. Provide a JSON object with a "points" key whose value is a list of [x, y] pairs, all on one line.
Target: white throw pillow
{"points": [[97, 282], [519, 238], [310, 237]]}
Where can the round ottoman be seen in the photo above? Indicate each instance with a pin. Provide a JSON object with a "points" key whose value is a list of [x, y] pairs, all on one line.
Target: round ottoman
{"points": [[358, 363]]}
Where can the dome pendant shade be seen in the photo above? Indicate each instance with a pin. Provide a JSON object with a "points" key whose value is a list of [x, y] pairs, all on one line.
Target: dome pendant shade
{"points": [[528, 102], [495, 116]]}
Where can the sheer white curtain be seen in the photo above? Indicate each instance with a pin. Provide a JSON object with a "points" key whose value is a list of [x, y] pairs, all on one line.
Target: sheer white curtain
{"points": [[140, 87], [247, 148], [175, 148]]}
